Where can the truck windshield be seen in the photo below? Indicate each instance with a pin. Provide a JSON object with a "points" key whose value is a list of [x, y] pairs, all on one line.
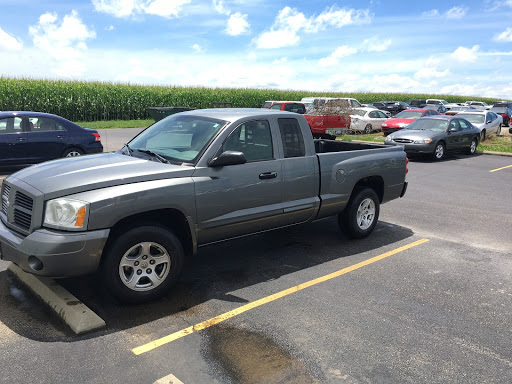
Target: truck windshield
{"points": [[178, 138]]}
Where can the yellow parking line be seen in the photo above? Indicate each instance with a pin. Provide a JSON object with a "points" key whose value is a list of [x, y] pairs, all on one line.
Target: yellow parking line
{"points": [[499, 169], [244, 308]]}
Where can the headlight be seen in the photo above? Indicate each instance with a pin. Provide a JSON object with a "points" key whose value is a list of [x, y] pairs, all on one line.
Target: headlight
{"points": [[389, 138], [423, 141], [401, 125], [384, 125], [66, 214]]}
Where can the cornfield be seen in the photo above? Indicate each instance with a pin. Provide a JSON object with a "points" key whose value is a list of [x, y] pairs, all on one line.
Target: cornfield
{"points": [[96, 101]]}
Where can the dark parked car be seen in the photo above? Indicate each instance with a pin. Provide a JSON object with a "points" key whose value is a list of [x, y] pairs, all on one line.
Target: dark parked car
{"points": [[33, 137], [439, 108], [505, 112], [392, 107], [417, 103], [436, 135]]}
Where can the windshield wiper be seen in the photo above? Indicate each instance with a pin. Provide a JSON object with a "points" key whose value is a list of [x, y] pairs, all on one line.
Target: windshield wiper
{"points": [[151, 153]]}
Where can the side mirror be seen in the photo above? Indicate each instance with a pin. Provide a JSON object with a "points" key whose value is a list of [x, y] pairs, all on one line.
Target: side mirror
{"points": [[228, 158], [488, 122], [453, 129]]}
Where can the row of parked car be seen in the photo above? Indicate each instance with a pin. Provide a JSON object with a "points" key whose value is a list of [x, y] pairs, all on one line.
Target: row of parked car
{"points": [[331, 117]]}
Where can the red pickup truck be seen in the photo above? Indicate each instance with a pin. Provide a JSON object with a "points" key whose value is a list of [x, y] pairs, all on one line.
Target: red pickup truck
{"points": [[329, 118], [322, 125]]}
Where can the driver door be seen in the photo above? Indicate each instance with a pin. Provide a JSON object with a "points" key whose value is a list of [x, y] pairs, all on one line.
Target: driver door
{"points": [[235, 200]]}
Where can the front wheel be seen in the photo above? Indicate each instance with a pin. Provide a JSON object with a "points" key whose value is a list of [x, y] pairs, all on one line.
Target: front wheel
{"points": [[142, 264], [498, 132], [439, 151], [361, 214], [472, 147], [483, 135]]}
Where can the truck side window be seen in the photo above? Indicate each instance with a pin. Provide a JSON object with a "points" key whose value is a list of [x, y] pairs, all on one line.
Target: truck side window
{"points": [[253, 138], [291, 135]]}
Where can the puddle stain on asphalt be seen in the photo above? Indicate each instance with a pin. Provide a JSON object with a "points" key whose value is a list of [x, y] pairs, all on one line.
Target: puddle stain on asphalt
{"points": [[248, 358]]}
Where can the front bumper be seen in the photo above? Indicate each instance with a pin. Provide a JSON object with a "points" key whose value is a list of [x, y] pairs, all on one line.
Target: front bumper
{"points": [[53, 253], [415, 148]]}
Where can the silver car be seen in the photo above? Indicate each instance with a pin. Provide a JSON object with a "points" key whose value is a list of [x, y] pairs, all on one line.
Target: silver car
{"points": [[487, 122]]}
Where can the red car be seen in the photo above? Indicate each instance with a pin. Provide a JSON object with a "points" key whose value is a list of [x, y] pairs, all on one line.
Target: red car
{"points": [[405, 118], [290, 106]]}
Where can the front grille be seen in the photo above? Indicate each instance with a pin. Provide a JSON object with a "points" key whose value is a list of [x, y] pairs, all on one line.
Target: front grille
{"points": [[23, 205], [22, 219], [23, 201], [5, 198], [397, 140]]}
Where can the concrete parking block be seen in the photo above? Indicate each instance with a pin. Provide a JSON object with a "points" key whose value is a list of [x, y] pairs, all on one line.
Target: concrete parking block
{"points": [[73, 312]]}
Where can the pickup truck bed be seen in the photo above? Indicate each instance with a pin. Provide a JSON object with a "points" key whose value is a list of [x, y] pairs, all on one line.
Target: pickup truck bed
{"points": [[189, 180]]}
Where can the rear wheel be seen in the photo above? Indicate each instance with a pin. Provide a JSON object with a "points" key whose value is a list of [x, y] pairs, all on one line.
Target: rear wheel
{"points": [[439, 151], [361, 214], [72, 152], [367, 129], [142, 264]]}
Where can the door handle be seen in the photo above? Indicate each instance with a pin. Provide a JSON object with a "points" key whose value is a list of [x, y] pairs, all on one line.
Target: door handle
{"points": [[21, 139], [61, 137], [268, 175]]}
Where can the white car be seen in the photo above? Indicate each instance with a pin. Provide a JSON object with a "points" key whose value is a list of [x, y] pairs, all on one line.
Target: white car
{"points": [[366, 120], [487, 122], [478, 104], [437, 101]]}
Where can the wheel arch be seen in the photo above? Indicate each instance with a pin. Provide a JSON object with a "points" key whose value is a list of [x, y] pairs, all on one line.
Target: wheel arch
{"points": [[171, 219], [374, 182]]}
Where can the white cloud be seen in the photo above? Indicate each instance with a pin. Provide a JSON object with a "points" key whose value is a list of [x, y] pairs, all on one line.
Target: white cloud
{"points": [[277, 39], [374, 44], [456, 13], [282, 60], [505, 36], [219, 7], [110, 28], [452, 13], [65, 43], [289, 22], [431, 13], [165, 8], [340, 52], [126, 8], [466, 55], [429, 73], [237, 24], [8, 42], [197, 48]]}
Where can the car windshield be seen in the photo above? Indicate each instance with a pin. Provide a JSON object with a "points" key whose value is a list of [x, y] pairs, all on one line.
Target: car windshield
{"points": [[459, 109], [438, 125], [472, 118], [499, 109], [178, 138], [408, 115]]}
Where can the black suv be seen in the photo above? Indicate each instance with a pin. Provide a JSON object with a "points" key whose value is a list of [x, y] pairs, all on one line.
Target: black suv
{"points": [[417, 103]]}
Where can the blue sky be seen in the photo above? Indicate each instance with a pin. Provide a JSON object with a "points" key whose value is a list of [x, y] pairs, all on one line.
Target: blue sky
{"points": [[446, 47]]}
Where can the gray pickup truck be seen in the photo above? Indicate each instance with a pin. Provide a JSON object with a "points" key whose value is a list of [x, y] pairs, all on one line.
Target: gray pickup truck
{"points": [[191, 179]]}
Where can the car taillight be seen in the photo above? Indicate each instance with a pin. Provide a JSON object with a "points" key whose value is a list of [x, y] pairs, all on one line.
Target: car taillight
{"points": [[97, 136], [406, 163]]}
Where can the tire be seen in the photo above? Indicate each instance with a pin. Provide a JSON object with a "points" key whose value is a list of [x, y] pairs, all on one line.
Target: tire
{"points": [[472, 147], [142, 264], [367, 129], [439, 151], [498, 132], [361, 214], [483, 135], [72, 152]]}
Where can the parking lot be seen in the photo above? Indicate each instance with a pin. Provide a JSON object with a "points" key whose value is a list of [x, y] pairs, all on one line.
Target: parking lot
{"points": [[425, 299]]}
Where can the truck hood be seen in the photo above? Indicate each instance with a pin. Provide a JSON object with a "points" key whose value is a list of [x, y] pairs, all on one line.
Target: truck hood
{"points": [[79, 174]]}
